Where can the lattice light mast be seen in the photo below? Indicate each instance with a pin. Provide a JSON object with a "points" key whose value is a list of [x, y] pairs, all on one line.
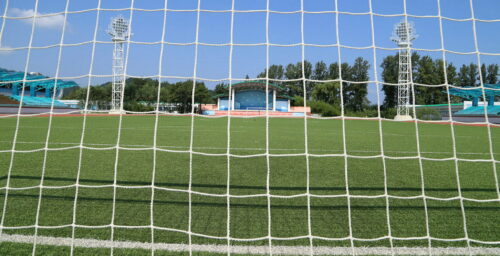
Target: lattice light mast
{"points": [[403, 35], [119, 32]]}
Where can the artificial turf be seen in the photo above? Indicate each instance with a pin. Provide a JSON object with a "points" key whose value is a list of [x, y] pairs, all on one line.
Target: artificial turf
{"points": [[400, 172]]}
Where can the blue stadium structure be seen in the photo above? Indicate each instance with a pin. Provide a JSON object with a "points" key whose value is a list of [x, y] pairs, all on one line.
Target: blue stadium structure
{"points": [[249, 98], [251, 95], [474, 94], [34, 82]]}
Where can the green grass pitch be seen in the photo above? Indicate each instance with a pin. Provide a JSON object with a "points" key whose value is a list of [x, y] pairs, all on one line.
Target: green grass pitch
{"points": [[248, 175]]}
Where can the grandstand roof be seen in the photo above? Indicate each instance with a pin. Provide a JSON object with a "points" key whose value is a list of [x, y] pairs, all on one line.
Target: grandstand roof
{"points": [[470, 92], [32, 79], [254, 84]]}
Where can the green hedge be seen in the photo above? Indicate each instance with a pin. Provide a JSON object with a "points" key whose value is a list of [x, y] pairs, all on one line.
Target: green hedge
{"points": [[138, 107], [323, 108], [428, 114]]}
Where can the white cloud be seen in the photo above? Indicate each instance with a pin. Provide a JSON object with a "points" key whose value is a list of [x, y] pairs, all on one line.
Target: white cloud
{"points": [[53, 21]]}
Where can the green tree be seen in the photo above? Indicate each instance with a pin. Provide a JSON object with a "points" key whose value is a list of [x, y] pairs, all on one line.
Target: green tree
{"points": [[333, 71], [139, 89], [463, 76], [181, 93], [296, 72], [142, 94], [76, 94], [390, 75], [452, 77], [148, 92], [492, 74], [328, 92], [320, 71], [164, 97], [473, 75], [468, 75], [451, 73], [425, 76], [483, 73], [221, 88], [275, 72], [346, 76], [357, 92], [293, 88]]}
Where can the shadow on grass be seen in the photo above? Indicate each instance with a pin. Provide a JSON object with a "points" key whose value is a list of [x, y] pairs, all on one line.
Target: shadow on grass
{"points": [[240, 205], [212, 204], [224, 186]]}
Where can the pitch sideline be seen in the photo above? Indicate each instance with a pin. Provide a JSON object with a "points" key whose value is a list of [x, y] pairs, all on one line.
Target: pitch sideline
{"points": [[241, 249]]}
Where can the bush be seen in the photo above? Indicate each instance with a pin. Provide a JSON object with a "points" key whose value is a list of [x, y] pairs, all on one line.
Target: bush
{"points": [[138, 107], [297, 101], [369, 112], [428, 114], [323, 108], [389, 113]]}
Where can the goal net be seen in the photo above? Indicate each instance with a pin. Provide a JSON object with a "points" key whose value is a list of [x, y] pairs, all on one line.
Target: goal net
{"points": [[273, 127]]}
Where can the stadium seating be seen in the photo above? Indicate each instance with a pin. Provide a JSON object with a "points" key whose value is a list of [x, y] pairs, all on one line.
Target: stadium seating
{"points": [[252, 113], [4, 100], [37, 101], [479, 110]]}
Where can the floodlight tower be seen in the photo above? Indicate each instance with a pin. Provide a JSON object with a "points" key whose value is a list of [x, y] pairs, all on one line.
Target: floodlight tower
{"points": [[403, 35], [119, 32]]}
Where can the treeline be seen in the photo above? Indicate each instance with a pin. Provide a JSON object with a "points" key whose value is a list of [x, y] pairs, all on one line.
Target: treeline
{"points": [[354, 94], [142, 95], [323, 97], [428, 71]]}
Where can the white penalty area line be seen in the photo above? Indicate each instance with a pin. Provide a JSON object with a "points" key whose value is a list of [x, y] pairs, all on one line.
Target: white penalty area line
{"points": [[242, 249]]}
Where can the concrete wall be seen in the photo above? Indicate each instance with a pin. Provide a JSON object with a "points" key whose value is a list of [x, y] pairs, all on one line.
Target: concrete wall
{"points": [[473, 119], [282, 105], [223, 103], [35, 110]]}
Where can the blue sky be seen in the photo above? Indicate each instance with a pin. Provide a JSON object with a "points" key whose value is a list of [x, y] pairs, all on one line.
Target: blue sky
{"points": [[250, 27]]}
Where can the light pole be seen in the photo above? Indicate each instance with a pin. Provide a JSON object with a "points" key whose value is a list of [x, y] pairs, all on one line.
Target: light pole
{"points": [[403, 35], [119, 32]]}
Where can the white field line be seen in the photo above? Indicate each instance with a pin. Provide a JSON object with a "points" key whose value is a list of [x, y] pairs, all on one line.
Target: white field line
{"points": [[247, 249], [246, 149]]}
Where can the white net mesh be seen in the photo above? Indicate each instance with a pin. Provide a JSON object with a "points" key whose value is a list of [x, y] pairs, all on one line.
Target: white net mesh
{"points": [[149, 181]]}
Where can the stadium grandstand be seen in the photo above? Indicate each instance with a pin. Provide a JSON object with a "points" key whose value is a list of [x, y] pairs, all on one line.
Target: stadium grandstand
{"points": [[473, 108], [36, 96], [248, 98], [477, 109]]}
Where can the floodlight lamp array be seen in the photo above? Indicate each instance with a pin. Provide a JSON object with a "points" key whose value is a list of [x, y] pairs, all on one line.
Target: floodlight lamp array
{"points": [[403, 33], [118, 29]]}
